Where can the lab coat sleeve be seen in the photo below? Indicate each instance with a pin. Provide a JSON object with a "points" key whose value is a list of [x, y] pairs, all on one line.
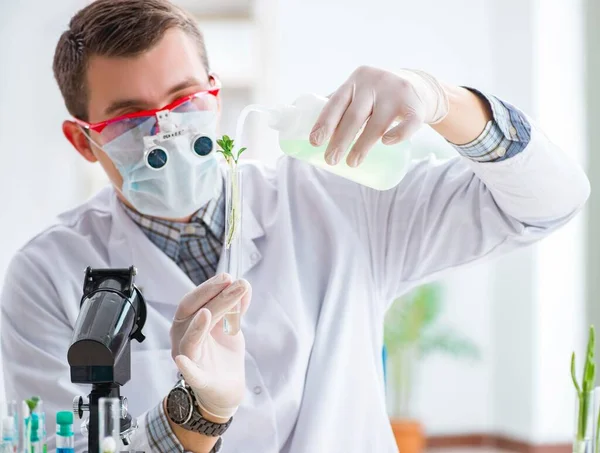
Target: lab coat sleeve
{"points": [[444, 215], [36, 334]]}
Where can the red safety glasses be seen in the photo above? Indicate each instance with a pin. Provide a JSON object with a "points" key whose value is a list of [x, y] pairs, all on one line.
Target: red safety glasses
{"points": [[205, 100]]}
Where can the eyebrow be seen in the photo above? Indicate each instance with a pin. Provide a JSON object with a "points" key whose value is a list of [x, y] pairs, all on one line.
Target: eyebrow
{"points": [[127, 103]]}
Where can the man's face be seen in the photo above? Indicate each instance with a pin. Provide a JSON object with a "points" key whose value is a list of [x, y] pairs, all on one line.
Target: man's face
{"points": [[118, 86]]}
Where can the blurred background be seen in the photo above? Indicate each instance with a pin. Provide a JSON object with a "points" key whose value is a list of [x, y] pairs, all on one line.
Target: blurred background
{"points": [[524, 313]]}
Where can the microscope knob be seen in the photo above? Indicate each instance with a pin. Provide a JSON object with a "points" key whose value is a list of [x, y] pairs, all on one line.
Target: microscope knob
{"points": [[85, 427], [128, 433], [79, 407]]}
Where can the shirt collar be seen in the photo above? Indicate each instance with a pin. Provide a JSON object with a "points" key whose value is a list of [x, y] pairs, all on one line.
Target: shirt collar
{"points": [[167, 234]]}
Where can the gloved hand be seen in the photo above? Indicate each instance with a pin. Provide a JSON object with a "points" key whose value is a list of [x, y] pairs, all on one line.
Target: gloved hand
{"points": [[378, 98], [211, 362]]}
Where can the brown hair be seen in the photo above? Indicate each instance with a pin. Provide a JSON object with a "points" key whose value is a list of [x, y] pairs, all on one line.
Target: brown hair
{"points": [[114, 28]]}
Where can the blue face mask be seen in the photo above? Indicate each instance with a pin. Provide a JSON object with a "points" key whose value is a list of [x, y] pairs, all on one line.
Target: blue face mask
{"points": [[173, 173]]}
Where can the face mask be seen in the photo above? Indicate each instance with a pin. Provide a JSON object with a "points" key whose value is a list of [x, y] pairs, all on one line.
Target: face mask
{"points": [[171, 173]]}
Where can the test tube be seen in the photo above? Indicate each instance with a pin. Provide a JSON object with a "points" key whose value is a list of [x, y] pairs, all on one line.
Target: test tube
{"points": [[25, 428], [109, 424], [233, 240], [39, 410], [8, 435], [34, 433], [12, 411]]}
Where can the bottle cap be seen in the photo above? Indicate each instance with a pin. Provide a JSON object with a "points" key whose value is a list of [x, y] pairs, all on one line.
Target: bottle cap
{"points": [[64, 423]]}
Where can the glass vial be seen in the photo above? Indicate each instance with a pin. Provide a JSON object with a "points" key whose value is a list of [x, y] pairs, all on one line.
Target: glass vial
{"points": [[584, 424], [41, 421], [109, 424], [233, 240]]}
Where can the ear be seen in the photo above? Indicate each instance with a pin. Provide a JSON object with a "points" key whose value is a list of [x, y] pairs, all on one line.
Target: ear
{"points": [[79, 140], [214, 81]]}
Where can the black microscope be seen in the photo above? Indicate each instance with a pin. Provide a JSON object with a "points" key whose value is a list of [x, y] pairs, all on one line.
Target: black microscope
{"points": [[113, 312]]}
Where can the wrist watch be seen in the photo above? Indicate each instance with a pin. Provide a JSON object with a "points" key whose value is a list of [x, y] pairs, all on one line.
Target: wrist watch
{"points": [[183, 410]]}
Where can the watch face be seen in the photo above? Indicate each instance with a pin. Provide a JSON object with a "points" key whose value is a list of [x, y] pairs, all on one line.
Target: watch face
{"points": [[179, 406]]}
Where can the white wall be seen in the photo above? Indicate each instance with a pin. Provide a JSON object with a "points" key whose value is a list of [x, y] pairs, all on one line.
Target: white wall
{"points": [[35, 155]]}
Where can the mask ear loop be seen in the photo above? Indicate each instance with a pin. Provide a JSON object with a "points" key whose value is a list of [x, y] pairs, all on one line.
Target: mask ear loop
{"points": [[89, 137], [92, 141]]}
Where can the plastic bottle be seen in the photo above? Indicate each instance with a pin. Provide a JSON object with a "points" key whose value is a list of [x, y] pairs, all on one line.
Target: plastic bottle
{"points": [[8, 435], [382, 169], [65, 440]]}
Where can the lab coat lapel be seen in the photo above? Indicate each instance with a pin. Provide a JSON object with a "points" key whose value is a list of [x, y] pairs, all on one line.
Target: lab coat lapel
{"points": [[159, 278]]}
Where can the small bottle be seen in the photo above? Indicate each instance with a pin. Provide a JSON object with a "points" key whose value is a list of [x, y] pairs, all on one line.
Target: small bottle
{"points": [[65, 440], [8, 435], [383, 167]]}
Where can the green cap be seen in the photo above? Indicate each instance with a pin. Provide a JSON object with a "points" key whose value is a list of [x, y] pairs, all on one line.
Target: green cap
{"points": [[64, 423], [35, 426]]}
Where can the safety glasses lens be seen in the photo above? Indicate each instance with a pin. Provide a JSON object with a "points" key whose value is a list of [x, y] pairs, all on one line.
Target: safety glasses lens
{"points": [[120, 127], [202, 102]]}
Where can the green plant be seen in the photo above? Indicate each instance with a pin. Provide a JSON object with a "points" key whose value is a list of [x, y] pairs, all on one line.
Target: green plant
{"points": [[226, 145], [233, 217], [411, 333], [584, 391]]}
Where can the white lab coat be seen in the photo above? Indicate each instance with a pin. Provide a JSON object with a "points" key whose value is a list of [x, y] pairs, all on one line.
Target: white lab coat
{"points": [[325, 258]]}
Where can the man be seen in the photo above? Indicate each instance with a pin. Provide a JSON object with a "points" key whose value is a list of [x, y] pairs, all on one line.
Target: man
{"points": [[322, 256]]}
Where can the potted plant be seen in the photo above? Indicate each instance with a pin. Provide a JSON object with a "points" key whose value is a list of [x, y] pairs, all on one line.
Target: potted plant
{"points": [[411, 334]]}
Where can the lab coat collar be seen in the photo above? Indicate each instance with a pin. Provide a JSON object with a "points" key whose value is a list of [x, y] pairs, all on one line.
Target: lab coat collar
{"points": [[128, 245]]}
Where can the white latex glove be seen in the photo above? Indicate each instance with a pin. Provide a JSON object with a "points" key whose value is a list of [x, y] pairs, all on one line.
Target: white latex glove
{"points": [[211, 362], [377, 98]]}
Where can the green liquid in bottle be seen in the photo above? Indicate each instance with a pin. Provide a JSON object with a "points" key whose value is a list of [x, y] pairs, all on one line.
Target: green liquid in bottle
{"points": [[382, 169]]}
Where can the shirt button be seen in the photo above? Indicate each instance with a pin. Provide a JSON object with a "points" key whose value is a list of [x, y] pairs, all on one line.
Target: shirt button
{"points": [[257, 390], [513, 132], [500, 151], [189, 229]]}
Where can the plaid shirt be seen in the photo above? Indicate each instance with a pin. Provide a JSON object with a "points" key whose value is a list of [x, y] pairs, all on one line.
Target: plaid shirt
{"points": [[196, 246]]}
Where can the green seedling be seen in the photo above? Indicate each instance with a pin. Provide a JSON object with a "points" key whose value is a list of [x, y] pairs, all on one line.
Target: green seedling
{"points": [[226, 145], [233, 217], [585, 390]]}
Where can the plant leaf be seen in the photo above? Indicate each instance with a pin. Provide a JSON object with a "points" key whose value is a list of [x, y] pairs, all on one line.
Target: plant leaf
{"points": [[589, 369], [32, 404], [240, 153], [410, 315], [574, 375], [450, 342]]}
